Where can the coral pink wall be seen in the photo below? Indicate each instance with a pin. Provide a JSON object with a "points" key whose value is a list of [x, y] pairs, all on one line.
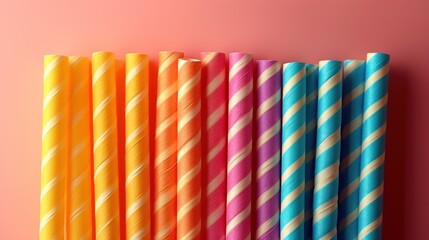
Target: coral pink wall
{"points": [[286, 30]]}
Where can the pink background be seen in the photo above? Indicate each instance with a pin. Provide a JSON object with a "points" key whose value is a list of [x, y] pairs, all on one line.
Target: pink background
{"points": [[286, 30]]}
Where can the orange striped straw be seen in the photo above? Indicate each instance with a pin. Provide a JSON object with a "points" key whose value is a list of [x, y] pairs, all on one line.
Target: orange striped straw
{"points": [[165, 170], [79, 210], [189, 150], [137, 147], [105, 146]]}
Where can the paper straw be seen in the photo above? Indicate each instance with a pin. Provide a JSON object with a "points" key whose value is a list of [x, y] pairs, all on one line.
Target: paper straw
{"points": [[351, 134], [373, 143], [312, 76], [54, 146], [214, 146], [293, 152], [189, 149], [268, 124], [239, 169], [79, 208], [137, 146], [105, 146], [327, 150], [165, 170]]}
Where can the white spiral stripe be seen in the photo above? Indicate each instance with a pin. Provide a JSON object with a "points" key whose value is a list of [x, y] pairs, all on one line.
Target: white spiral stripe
{"points": [[133, 72], [50, 125], [136, 171], [100, 107], [136, 205], [239, 65], [240, 124], [134, 101], [52, 65], [215, 83], [240, 95], [215, 182], [166, 94], [101, 71], [51, 95], [238, 188], [103, 198]]}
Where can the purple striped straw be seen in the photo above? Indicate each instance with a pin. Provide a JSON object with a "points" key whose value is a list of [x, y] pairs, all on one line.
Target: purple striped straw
{"points": [[268, 125]]}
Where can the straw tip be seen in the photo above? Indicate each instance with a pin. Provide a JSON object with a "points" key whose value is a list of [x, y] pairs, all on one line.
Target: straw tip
{"points": [[377, 53], [189, 60], [136, 54], [169, 52], [354, 60], [335, 62], [102, 53], [380, 55], [266, 61], [293, 64], [329, 60], [311, 65], [53, 55], [77, 59], [212, 53], [240, 54]]}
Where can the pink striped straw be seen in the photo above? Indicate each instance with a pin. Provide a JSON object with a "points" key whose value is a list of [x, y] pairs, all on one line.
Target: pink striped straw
{"points": [[239, 169], [214, 144]]}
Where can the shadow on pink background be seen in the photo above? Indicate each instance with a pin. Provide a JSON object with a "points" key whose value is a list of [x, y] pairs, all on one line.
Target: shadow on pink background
{"points": [[288, 30]]}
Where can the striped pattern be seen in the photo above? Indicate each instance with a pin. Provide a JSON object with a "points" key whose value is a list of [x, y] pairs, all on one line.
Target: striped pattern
{"points": [[165, 170], [54, 148], [79, 174], [293, 151], [137, 169], [105, 146], [373, 142], [214, 145], [351, 135], [327, 150], [189, 149], [239, 168], [312, 77], [268, 124]]}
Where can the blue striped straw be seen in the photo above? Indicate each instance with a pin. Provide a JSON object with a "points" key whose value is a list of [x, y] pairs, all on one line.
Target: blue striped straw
{"points": [[351, 136], [293, 152], [327, 150], [373, 142], [312, 75]]}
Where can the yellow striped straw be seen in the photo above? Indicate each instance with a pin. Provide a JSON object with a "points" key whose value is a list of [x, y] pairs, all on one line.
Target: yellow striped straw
{"points": [[54, 146], [105, 146], [79, 211], [137, 147]]}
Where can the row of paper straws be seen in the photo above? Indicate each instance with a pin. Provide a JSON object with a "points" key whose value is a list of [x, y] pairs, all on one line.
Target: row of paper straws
{"points": [[241, 149]]}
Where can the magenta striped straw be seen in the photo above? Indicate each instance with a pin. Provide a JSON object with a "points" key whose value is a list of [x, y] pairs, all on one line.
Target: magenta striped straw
{"points": [[239, 168], [268, 125], [214, 144]]}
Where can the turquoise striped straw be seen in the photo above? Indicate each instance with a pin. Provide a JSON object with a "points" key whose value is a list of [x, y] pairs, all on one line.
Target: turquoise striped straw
{"points": [[351, 137], [293, 152], [312, 75], [327, 150], [373, 142]]}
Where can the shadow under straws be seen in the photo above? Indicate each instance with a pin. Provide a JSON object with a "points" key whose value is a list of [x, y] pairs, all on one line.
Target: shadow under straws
{"points": [[395, 154], [120, 108]]}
